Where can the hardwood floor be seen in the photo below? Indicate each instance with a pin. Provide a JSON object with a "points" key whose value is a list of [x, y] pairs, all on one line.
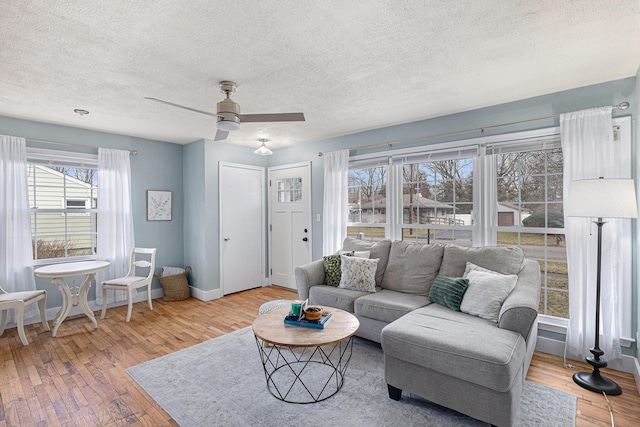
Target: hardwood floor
{"points": [[79, 378]]}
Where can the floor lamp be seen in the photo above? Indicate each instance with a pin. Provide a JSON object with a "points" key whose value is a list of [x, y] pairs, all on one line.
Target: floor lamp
{"points": [[600, 198]]}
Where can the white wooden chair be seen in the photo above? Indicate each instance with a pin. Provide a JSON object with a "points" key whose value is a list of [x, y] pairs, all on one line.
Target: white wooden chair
{"points": [[131, 281], [19, 300]]}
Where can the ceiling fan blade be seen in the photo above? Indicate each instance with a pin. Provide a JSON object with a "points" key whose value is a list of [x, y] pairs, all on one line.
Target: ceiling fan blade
{"points": [[220, 135], [181, 106], [279, 117]]}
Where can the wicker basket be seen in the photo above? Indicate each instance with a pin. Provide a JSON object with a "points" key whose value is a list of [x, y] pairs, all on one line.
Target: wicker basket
{"points": [[176, 287]]}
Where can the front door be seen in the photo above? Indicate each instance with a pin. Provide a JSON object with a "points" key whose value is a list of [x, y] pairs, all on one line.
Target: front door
{"points": [[242, 229], [290, 215]]}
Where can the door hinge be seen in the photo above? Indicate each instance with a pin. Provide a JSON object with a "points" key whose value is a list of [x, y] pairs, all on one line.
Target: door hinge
{"points": [[270, 227], [269, 183], [271, 271]]}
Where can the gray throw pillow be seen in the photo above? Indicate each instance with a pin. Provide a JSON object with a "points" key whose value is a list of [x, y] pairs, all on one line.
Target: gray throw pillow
{"points": [[448, 291]]}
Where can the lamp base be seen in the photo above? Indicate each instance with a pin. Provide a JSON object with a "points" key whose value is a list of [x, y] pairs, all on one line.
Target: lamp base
{"points": [[594, 381]]}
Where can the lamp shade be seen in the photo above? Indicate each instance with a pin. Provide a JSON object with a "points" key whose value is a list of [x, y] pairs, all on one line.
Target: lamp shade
{"points": [[263, 150], [603, 198]]}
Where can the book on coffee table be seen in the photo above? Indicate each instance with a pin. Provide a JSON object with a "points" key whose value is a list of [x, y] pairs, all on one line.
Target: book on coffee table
{"points": [[318, 324]]}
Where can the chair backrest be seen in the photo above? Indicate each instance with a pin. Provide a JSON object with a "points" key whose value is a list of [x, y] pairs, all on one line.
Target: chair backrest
{"points": [[143, 263]]}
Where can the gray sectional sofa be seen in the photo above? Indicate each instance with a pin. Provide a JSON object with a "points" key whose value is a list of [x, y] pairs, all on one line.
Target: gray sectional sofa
{"points": [[458, 360]]}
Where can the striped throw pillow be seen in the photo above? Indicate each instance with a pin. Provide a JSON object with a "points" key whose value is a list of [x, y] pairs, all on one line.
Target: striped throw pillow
{"points": [[448, 291]]}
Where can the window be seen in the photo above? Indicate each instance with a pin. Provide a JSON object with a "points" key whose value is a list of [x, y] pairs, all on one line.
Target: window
{"points": [[530, 215], [368, 202], [289, 190], [63, 204], [437, 201], [504, 190]]}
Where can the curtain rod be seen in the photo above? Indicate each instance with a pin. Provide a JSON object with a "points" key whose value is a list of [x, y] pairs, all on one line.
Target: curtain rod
{"points": [[132, 152], [621, 106]]}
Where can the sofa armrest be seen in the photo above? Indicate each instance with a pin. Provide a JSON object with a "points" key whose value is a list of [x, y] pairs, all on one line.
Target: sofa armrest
{"points": [[520, 309], [309, 275]]}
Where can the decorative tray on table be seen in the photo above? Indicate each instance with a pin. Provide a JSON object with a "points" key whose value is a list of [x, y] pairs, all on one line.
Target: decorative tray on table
{"points": [[310, 317]]}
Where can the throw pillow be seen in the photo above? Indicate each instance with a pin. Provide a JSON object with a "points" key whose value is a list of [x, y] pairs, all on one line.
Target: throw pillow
{"points": [[332, 267], [486, 293], [472, 267], [359, 254], [358, 274], [448, 291], [412, 267], [379, 249]]}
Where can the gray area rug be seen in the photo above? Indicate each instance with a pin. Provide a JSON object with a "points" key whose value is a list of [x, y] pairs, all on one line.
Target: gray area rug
{"points": [[222, 382]]}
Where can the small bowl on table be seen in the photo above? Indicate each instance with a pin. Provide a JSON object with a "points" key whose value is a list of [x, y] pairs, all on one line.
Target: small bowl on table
{"points": [[313, 312]]}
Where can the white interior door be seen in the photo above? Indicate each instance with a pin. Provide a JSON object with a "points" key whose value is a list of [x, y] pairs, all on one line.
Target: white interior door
{"points": [[290, 216], [242, 229]]}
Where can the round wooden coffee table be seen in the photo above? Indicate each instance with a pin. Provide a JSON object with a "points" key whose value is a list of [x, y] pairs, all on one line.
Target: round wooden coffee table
{"points": [[301, 364]]}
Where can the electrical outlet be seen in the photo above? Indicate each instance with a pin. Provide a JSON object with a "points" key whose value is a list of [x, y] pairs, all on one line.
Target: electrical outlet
{"points": [[637, 338], [317, 217]]}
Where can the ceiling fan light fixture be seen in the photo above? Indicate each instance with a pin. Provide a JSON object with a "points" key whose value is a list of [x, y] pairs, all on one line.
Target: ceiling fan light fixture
{"points": [[263, 150], [228, 125]]}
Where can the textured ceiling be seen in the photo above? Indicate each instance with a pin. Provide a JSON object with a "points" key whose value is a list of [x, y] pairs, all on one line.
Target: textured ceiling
{"points": [[348, 65]]}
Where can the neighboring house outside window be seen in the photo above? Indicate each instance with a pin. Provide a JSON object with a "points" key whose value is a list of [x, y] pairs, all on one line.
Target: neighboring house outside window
{"points": [[368, 203], [63, 205]]}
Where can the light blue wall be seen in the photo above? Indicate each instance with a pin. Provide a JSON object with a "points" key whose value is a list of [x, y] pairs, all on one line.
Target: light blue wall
{"points": [[201, 192], [158, 166]]}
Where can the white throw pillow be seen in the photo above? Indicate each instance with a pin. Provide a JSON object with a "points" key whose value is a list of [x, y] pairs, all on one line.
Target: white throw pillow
{"points": [[358, 274], [359, 254], [472, 267], [486, 293]]}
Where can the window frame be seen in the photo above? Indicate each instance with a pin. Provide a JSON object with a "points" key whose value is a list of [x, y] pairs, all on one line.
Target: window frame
{"points": [[485, 211], [40, 157]]}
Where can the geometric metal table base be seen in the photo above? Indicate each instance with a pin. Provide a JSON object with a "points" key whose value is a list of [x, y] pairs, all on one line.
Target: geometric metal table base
{"points": [[305, 374]]}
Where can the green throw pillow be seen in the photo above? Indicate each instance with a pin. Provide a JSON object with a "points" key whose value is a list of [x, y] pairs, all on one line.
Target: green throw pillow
{"points": [[333, 268], [448, 291]]}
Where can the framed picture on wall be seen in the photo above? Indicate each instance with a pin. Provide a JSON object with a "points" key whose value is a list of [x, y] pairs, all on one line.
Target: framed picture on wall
{"points": [[158, 205]]}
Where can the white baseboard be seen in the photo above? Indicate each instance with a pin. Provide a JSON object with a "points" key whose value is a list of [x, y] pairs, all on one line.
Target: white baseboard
{"points": [[206, 295], [628, 364]]}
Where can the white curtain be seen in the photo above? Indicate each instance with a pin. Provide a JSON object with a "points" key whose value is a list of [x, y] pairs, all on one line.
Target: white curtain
{"points": [[335, 202], [16, 251], [590, 152], [115, 217]]}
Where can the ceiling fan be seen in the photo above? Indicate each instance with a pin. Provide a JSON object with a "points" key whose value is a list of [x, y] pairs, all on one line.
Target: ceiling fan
{"points": [[228, 115]]}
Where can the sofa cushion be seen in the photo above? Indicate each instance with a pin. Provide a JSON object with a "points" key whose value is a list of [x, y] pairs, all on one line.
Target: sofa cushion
{"points": [[412, 267], [448, 291], [358, 274], [387, 305], [330, 296], [503, 259], [486, 293], [458, 345], [378, 250]]}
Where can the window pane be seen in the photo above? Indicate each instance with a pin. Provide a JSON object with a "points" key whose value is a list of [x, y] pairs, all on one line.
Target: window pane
{"points": [[530, 195], [366, 233], [368, 196], [438, 192], [61, 200], [459, 237]]}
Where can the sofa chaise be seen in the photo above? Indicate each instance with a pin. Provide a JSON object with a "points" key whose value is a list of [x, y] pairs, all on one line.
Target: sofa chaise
{"points": [[468, 351]]}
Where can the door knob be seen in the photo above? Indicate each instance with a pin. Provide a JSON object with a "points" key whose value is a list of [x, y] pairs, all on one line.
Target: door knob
{"points": [[226, 239], [304, 239], [305, 230]]}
